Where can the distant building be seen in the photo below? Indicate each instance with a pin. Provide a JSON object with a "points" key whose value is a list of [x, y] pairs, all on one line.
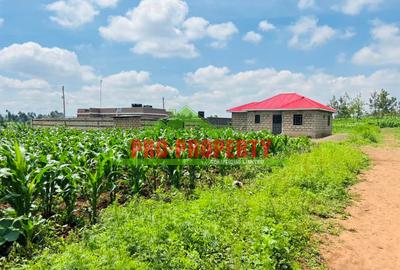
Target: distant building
{"points": [[219, 121], [145, 112], [288, 113], [135, 116]]}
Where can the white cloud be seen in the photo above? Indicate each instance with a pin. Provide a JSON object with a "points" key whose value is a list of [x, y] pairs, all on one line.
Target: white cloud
{"points": [[124, 88], [27, 95], [195, 28], [9, 83], [348, 33], [106, 3], [354, 7], [252, 37], [384, 50], [304, 4], [31, 60], [213, 89], [163, 30], [31, 77], [217, 85], [75, 13], [307, 34], [1, 22], [266, 26], [222, 33]]}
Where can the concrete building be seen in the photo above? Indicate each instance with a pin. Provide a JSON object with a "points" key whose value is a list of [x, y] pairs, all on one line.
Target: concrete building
{"points": [[145, 112], [98, 118], [287, 113]]}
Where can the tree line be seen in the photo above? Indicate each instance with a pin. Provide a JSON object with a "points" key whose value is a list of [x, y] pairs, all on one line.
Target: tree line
{"points": [[379, 104], [23, 117]]}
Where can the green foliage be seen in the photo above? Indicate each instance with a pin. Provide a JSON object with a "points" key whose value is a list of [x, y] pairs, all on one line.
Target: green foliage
{"points": [[22, 117], [10, 230], [365, 134], [265, 225], [381, 103], [49, 172], [347, 125], [347, 107]]}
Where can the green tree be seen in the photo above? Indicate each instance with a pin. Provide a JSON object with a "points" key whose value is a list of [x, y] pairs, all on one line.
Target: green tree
{"points": [[381, 103], [357, 107], [342, 106]]}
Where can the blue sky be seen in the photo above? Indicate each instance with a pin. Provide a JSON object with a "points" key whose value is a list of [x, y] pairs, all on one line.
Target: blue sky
{"points": [[210, 55]]}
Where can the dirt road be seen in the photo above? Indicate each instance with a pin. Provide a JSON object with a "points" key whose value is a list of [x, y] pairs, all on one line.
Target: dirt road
{"points": [[371, 236]]}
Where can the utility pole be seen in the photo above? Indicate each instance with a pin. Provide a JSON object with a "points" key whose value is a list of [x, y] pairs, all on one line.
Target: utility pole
{"points": [[101, 86], [63, 98], [163, 103]]}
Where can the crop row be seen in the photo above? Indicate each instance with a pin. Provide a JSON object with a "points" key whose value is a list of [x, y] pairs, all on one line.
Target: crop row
{"points": [[60, 173]]}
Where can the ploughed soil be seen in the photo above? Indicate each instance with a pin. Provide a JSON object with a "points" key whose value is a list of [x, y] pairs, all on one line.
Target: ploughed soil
{"points": [[371, 235]]}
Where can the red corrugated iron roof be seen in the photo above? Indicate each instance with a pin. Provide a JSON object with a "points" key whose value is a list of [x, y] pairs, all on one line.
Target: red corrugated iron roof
{"points": [[287, 101]]}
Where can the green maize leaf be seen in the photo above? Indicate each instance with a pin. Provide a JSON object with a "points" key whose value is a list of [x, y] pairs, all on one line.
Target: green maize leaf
{"points": [[12, 235]]}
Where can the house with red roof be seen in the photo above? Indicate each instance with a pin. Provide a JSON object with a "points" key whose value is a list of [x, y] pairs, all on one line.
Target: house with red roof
{"points": [[287, 113]]}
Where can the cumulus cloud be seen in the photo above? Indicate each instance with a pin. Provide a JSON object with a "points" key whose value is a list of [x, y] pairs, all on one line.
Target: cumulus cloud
{"points": [[31, 60], [218, 85], [26, 95], [162, 29], [266, 26], [384, 49], [221, 33], [31, 77], [354, 7], [124, 88], [75, 13], [307, 34], [252, 37], [304, 4], [213, 89]]}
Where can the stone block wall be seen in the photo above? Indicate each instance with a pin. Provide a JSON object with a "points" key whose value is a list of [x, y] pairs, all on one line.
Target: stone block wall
{"points": [[306, 129], [128, 122], [239, 121], [265, 121], [87, 123], [315, 123], [322, 128]]}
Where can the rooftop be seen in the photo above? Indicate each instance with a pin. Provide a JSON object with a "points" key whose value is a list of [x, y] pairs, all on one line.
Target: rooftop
{"points": [[282, 102]]}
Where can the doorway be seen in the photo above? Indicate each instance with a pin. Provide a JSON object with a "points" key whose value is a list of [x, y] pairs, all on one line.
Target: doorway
{"points": [[277, 124]]}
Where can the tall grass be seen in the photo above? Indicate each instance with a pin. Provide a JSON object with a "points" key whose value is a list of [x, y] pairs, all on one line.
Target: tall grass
{"points": [[348, 124], [265, 225], [365, 134]]}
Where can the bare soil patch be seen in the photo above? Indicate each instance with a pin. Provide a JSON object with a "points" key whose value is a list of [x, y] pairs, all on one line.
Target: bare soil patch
{"points": [[371, 236], [332, 138]]}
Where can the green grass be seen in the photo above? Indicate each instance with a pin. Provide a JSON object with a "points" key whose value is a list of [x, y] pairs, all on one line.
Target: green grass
{"points": [[365, 134], [348, 124], [266, 225]]}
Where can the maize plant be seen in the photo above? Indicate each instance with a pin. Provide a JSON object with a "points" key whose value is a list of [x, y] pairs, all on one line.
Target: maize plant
{"points": [[48, 171]]}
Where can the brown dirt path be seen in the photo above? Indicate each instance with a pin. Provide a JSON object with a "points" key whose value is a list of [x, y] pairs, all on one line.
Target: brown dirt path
{"points": [[371, 236]]}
